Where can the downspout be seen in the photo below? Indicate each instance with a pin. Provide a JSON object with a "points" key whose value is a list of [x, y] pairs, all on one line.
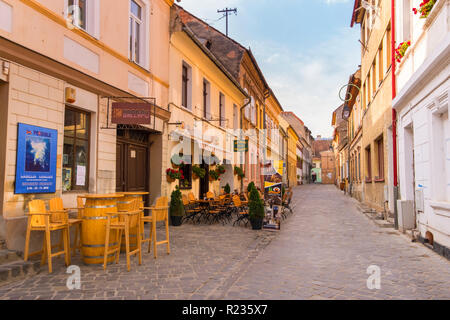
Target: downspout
{"points": [[394, 114]]}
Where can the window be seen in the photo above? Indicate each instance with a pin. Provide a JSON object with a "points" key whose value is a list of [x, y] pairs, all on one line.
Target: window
{"points": [[388, 45], [368, 165], [138, 40], [186, 183], [77, 10], [186, 84], [380, 158], [359, 166], [206, 99], [76, 150], [374, 77], [407, 14], [222, 109], [235, 117], [380, 64]]}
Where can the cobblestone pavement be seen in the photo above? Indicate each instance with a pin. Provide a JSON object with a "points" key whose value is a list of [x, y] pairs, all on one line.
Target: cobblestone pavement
{"points": [[322, 252]]}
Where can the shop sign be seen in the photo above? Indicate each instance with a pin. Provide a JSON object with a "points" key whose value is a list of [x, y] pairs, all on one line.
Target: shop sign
{"points": [[36, 159], [131, 113], [240, 145]]}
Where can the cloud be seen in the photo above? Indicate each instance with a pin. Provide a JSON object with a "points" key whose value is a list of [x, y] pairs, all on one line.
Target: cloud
{"points": [[336, 1], [308, 83]]}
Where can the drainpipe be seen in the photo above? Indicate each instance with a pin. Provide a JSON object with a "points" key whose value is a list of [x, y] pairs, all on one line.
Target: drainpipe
{"points": [[394, 114], [240, 133]]}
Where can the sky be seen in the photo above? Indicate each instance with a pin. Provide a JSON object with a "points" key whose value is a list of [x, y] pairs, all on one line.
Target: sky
{"points": [[305, 48]]}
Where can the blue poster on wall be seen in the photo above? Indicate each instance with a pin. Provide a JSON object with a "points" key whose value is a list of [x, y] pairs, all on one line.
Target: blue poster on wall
{"points": [[36, 159]]}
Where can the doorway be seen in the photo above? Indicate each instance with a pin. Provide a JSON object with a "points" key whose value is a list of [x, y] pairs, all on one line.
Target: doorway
{"points": [[132, 160], [204, 182]]}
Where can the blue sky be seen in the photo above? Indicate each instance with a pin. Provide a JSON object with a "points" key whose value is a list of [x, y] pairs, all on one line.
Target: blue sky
{"points": [[306, 49]]}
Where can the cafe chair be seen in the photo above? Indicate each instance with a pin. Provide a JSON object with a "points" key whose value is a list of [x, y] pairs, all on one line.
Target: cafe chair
{"points": [[41, 220], [159, 212], [127, 220], [242, 211], [190, 210], [210, 195], [59, 213]]}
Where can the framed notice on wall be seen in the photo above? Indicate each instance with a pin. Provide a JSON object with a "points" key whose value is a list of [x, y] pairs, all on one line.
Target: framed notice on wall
{"points": [[36, 159]]}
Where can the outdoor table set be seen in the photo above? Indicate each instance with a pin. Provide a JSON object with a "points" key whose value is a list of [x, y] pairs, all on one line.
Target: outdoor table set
{"points": [[106, 225]]}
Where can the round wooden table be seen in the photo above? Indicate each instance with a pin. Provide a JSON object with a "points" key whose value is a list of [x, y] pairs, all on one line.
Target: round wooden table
{"points": [[124, 204], [93, 228]]}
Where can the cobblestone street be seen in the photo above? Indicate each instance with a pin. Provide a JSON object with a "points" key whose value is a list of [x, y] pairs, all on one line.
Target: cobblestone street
{"points": [[322, 252]]}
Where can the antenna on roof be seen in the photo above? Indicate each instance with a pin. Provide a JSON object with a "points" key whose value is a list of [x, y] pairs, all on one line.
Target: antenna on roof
{"points": [[226, 12]]}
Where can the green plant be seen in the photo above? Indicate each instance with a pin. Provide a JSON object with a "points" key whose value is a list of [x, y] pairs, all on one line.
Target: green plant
{"points": [[214, 175], [283, 191], [227, 189], [199, 172], [239, 172], [255, 205], [220, 169], [174, 174], [401, 50], [251, 186], [424, 8], [176, 203]]}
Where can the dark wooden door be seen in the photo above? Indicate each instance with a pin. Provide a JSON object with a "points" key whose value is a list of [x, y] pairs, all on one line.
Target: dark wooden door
{"points": [[204, 183], [132, 162]]}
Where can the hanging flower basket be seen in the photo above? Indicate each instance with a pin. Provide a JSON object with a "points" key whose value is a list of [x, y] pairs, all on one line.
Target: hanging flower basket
{"points": [[401, 50], [173, 175], [213, 175], [425, 8], [198, 172], [239, 172]]}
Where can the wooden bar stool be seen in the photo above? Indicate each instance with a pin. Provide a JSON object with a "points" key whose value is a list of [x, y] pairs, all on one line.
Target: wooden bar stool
{"points": [[58, 212], [160, 212], [127, 220], [40, 220]]}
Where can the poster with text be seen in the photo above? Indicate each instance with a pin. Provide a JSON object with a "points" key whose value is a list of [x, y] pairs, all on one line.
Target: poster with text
{"points": [[36, 159], [272, 189]]}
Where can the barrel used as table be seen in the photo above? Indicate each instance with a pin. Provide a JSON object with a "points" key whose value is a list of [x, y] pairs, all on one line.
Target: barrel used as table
{"points": [[123, 204], [94, 226]]}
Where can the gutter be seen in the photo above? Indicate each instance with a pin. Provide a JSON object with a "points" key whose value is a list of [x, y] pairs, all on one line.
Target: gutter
{"points": [[394, 114]]}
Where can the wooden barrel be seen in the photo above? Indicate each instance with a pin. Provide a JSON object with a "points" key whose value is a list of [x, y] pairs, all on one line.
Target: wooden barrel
{"points": [[123, 204], [94, 227]]}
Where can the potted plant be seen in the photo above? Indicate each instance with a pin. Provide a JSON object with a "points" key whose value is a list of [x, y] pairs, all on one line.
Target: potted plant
{"points": [[227, 189], [220, 169], [256, 209], [198, 172], [173, 175], [176, 207], [239, 172], [425, 8], [213, 175], [401, 50], [251, 186]]}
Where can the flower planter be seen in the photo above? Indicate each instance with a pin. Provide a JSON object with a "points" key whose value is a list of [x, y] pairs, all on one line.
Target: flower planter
{"points": [[194, 176], [256, 224], [169, 179], [176, 221]]}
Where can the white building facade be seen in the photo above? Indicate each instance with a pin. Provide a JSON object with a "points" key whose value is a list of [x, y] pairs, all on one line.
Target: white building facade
{"points": [[423, 127]]}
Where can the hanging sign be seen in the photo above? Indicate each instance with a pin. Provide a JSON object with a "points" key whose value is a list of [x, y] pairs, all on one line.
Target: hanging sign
{"points": [[131, 113], [240, 145], [36, 159]]}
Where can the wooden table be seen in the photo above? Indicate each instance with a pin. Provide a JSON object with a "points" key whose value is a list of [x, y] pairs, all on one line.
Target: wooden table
{"points": [[123, 204], [93, 228]]}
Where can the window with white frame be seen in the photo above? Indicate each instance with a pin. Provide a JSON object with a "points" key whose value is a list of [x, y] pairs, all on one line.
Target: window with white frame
{"points": [[84, 14], [186, 86], [222, 109], [138, 40]]}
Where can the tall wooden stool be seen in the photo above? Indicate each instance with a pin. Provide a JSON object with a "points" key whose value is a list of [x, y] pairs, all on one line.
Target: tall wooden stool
{"points": [[127, 220], [160, 212], [40, 220], [58, 211]]}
